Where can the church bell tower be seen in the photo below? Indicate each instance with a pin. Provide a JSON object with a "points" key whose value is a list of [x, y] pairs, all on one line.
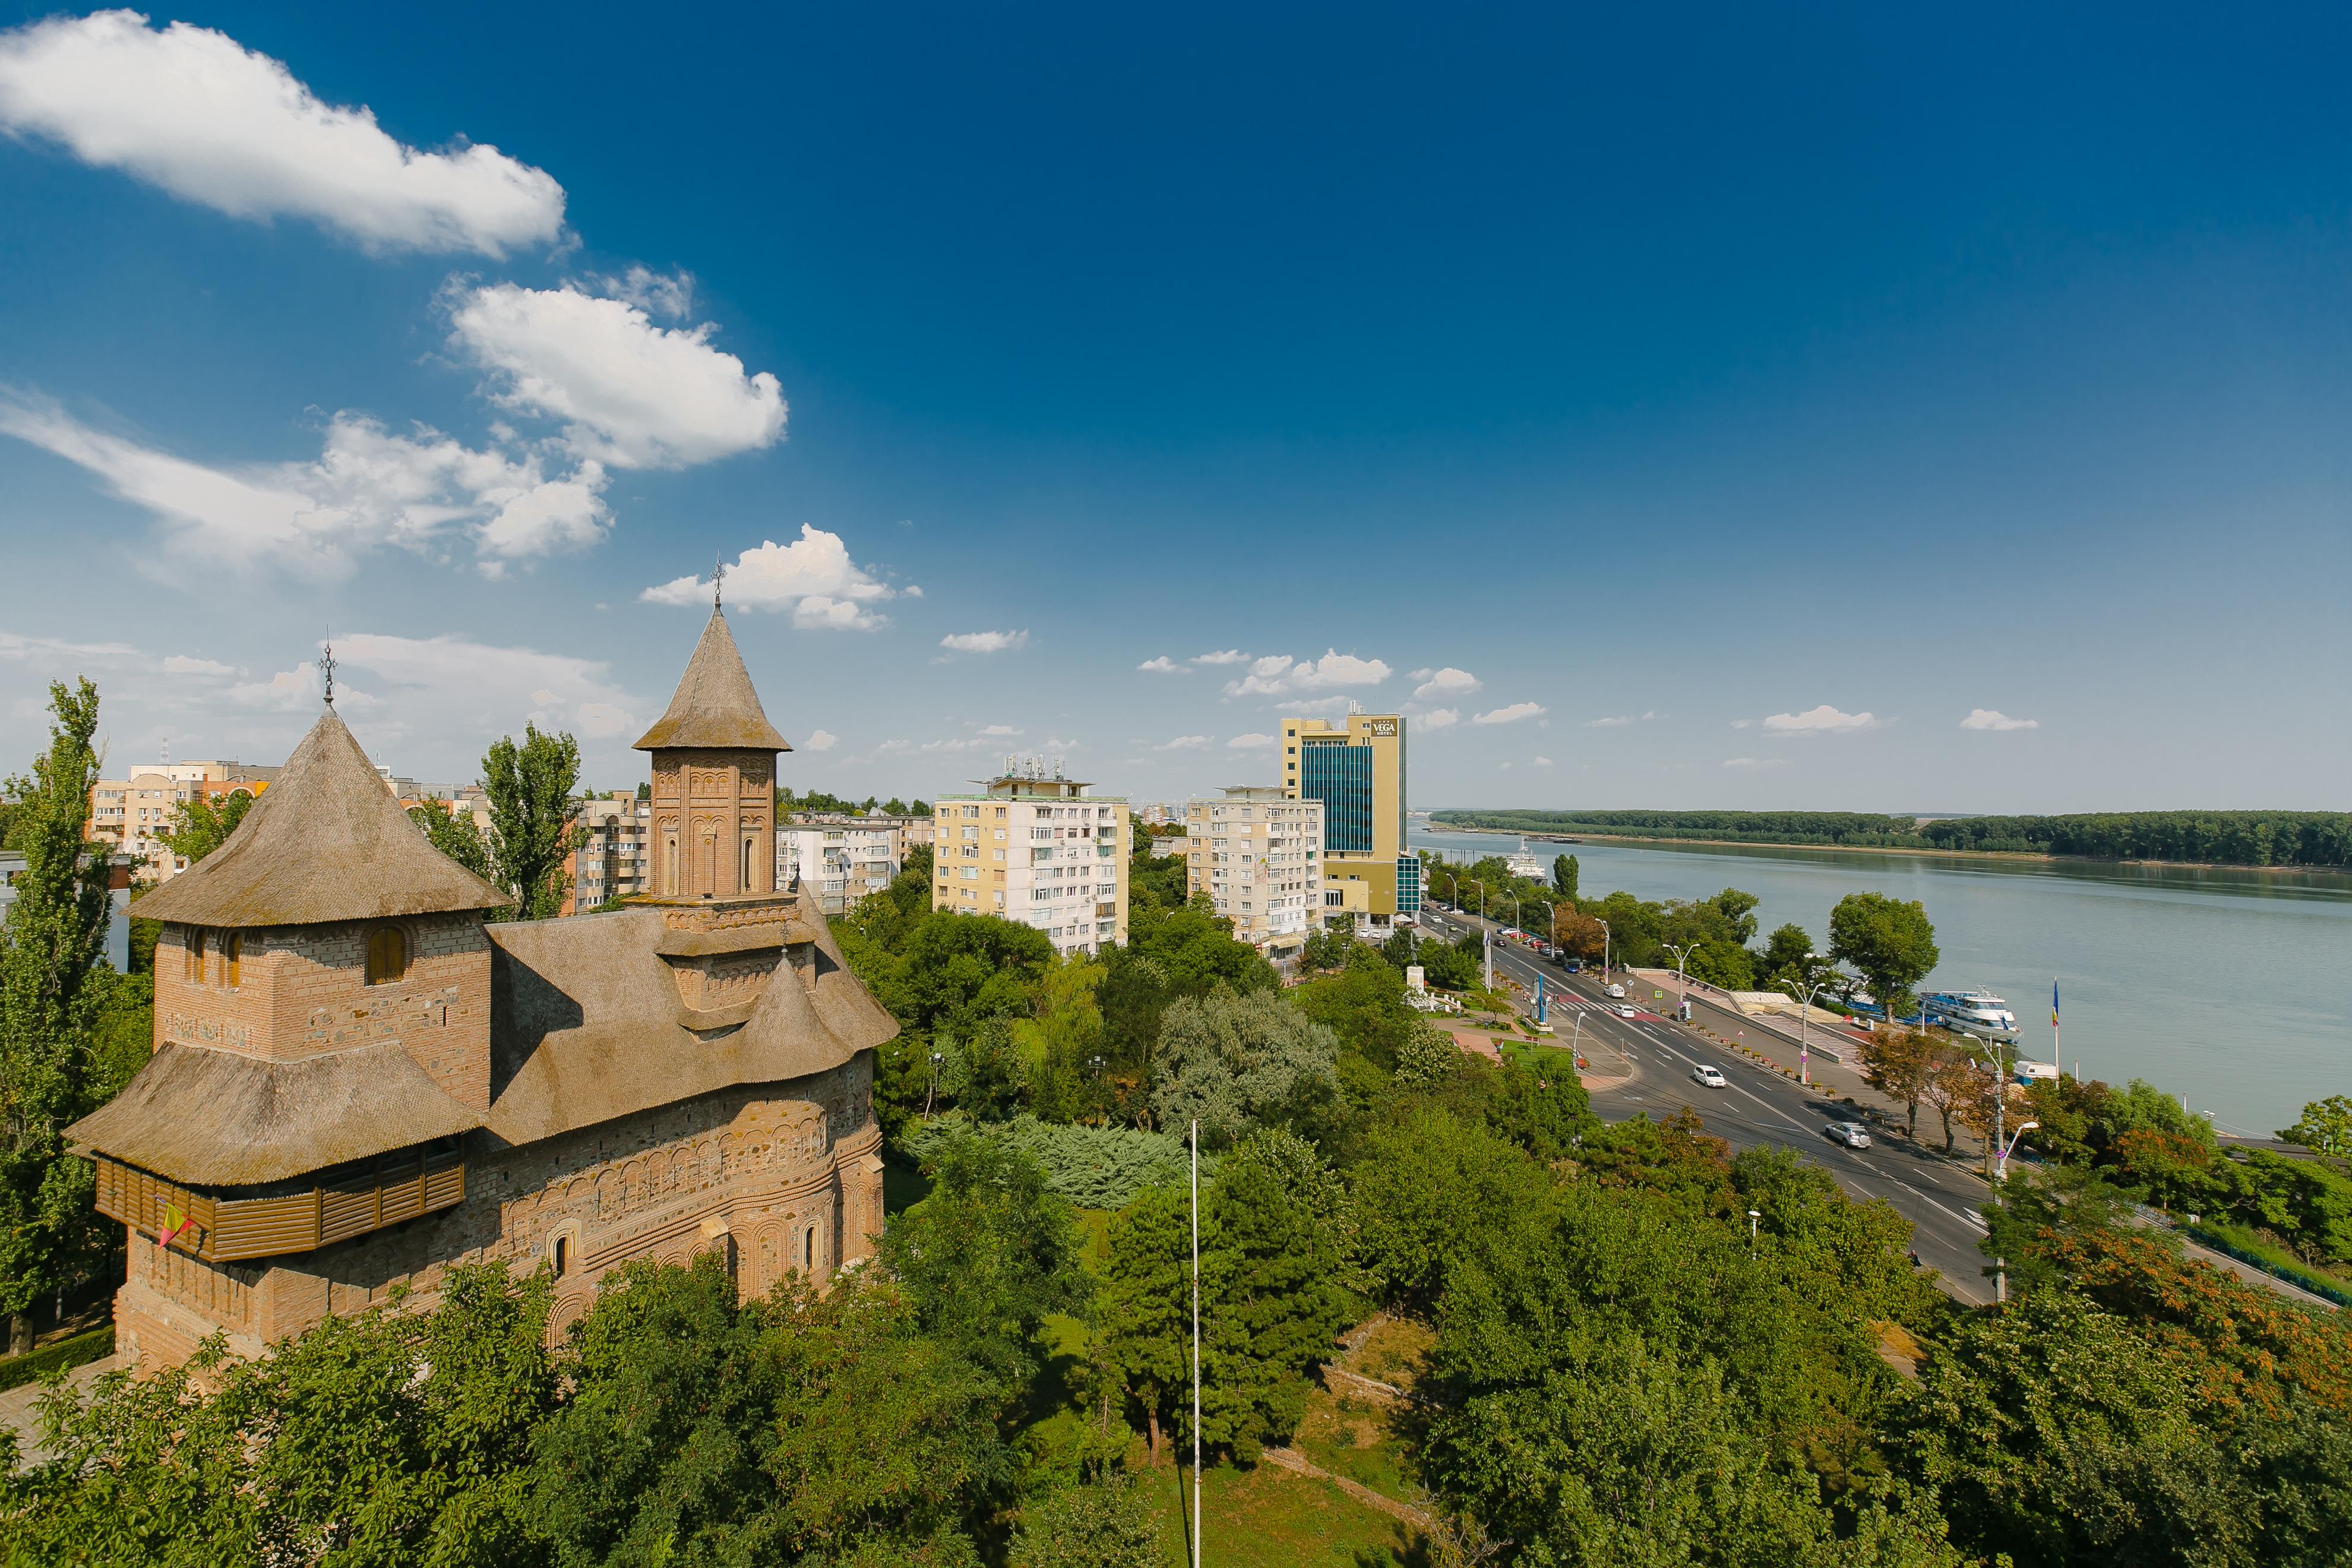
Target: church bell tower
{"points": [[714, 786]]}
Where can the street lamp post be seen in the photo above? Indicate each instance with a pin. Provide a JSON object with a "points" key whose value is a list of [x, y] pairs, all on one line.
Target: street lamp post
{"points": [[1604, 949], [1804, 995], [1682, 984], [932, 1092], [1753, 1215], [2000, 1110], [2010, 1148]]}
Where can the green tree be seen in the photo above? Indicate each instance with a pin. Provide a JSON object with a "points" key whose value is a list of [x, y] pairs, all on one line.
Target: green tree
{"points": [[2325, 1125], [457, 835], [1564, 873], [1232, 1062], [1272, 1231], [1143, 1312], [532, 826], [203, 825], [389, 1437], [51, 948], [1900, 1064], [1100, 1524], [1788, 956], [1888, 943], [2057, 1434], [987, 1256]]}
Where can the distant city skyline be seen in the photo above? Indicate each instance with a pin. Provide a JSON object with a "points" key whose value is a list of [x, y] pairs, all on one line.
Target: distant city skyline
{"points": [[1786, 411]]}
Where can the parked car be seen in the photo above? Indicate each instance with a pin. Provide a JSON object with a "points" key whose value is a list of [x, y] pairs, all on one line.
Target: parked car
{"points": [[1627, 1010], [1616, 990], [1573, 965], [1852, 1134], [1711, 1077]]}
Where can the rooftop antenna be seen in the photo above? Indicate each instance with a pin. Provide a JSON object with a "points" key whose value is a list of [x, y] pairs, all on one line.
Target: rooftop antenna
{"points": [[327, 665], [718, 580]]}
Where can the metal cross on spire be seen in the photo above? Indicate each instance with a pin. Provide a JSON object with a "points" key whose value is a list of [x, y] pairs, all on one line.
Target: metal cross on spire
{"points": [[718, 577], [326, 666]]}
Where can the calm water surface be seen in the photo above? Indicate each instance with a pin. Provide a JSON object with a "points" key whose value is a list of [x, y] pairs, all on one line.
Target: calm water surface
{"points": [[2231, 987]]}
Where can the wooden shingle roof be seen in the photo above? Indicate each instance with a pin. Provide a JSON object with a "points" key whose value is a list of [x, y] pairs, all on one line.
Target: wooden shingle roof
{"points": [[714, 706], [325, 842]]}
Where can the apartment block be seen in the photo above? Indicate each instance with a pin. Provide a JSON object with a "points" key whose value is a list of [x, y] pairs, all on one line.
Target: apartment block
{"points": [[131, 814], [613, 859], [1258, 855], [1036, 849], [1357, 768], [841, 859]]}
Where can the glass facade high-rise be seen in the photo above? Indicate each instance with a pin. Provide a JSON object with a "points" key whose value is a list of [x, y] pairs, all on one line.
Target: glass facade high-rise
{"points": [[1341, 777], [1356, 767]]}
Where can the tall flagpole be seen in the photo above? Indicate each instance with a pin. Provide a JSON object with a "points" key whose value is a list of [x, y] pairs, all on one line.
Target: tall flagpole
{"points": [[1196, 1344]]}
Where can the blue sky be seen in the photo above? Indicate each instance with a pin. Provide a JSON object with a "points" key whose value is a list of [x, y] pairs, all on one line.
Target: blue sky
{"points": [[1833, 407]]}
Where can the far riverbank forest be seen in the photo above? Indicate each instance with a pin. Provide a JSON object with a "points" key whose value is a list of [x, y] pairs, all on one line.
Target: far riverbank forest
{"points": [[2314, 838]]}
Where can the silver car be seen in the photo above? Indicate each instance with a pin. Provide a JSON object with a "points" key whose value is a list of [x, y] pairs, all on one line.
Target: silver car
{"points": [[1852, 1134]]}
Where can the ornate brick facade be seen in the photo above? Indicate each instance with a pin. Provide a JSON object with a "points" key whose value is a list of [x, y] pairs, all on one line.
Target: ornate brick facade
{"points": [[359, 1082]]}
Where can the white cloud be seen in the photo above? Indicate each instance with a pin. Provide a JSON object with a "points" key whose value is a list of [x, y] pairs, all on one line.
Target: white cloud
{"points": [[1251, 742], [999, 730], [1756, 763], [1618, 721], [819, 741], [369, 487], [1163, 665], [667, 295], [1743, 723], [1183, 743], [1993, 719], [1543, 761], [1440, 719], [1440, 684], [458, 685], [1822, 720], [1511, 714], [1229, 656], [630, 394], [181, 664], [55, 650], [1278, 675], [192, 111], [983, 642], [913, 591], [604, 721], [813, 576], [295, 690]]}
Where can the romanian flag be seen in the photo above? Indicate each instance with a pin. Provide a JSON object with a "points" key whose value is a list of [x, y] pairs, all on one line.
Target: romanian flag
{"points": [[2054, 1004], [174, 1222]]}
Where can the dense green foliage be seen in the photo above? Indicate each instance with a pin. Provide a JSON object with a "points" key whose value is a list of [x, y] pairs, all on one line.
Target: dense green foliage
{"points": [[1093, 1167], [459, 835], [2222, 837], [532, 828], [2141, 1138], [54, 986]]}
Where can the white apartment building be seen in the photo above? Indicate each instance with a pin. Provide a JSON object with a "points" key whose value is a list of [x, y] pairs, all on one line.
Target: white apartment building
{"points": [[843, 858], [1037, 849], [1259, 858], [131, 814], [613, 859]]}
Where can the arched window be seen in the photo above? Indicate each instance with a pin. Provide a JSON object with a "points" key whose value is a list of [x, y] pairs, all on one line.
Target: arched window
{"points": [[559, 1255], [669, 865], [746, 885], [387, 958], [232, 951], [808, 1250], [191, 955]]}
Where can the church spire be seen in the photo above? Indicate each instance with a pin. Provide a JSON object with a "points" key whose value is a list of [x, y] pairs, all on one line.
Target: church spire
{"points": [[714, 705]]}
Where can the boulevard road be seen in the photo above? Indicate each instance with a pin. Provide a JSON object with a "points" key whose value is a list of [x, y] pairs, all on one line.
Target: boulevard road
{"points": [[1938, 1196]]}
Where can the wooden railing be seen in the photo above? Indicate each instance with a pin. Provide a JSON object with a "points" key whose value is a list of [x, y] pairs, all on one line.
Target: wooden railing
{"points": [[222, 1228]]}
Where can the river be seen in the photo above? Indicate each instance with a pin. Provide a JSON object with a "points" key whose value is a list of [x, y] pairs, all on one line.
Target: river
{"points": [[2231, 987]]}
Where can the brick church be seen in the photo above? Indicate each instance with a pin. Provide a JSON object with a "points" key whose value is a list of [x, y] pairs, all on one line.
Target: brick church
{"points": [[358, 1079]]}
